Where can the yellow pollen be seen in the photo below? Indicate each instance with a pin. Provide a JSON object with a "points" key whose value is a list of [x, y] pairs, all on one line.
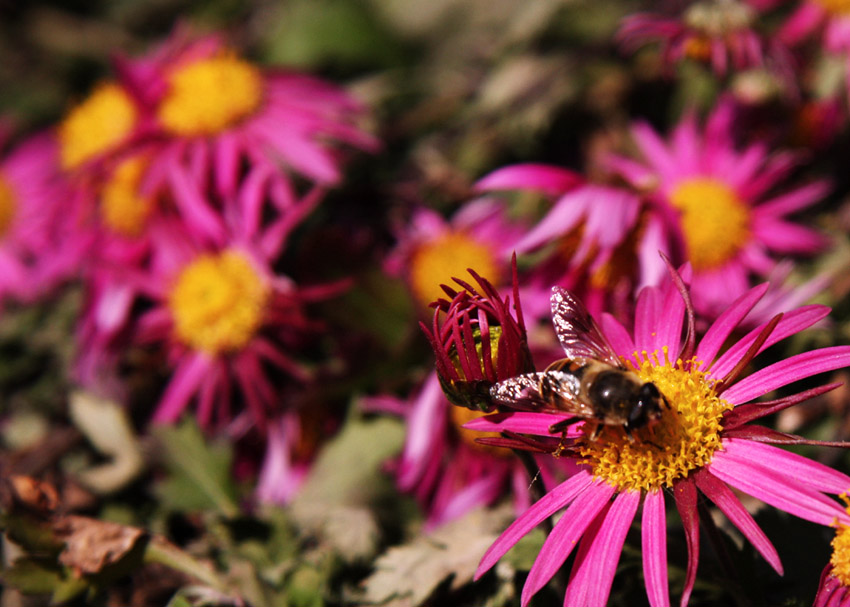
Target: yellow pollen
{"points": [[207, 96], [840, 559], [836, 8], [448, 256], [218, 302], [122, 209], [460, 416], [96, 126], [8, 206], [715, 221], [683, 439]]}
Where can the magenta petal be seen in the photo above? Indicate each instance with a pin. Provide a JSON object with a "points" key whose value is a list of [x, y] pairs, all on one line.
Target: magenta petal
{"points": [[617, 335], [816, 475], [522, 422], [792, 322], [731, 506], [187, 378], [787, 371], [780, 491], [593, 574], [548, 179], [654, 549], [686, 503], [550, 503], [720, 329], [564, 536]]}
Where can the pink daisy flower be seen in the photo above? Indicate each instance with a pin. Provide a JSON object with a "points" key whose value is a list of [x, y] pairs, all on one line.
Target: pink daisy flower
{"points": [[227, 322], [698, 438], [716, 32], [600, 242], [431, 250], [214, 113], [719, 204], [130, 211], [41, 241]]}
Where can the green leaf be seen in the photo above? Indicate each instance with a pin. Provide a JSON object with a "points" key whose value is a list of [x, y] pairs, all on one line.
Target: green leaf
{"points": [[314, 32], [346, 480], [200, 471], [32, 576]]}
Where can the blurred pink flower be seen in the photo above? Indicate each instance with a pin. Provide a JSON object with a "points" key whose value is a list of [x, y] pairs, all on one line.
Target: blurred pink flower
{"points": [[431, 250], [42, 240], [600, 242], [719, 33], [215, 113], [705, 442], [719, 203]]}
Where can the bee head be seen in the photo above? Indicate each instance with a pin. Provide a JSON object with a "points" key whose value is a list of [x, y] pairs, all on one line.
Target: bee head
{"points": [[647, 406]]}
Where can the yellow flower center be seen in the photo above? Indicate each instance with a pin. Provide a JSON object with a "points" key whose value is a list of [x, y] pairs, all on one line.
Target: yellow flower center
{"points": [[460, 416], [683, 439], [715, 221], [96, 126], [837, 8], [840, 559], [207, 96], [218, 302], [122, 209], [438, 261], [8, 206]]}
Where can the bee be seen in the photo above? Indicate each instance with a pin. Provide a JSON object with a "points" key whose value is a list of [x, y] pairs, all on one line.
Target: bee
{"points": [[591, 382]]}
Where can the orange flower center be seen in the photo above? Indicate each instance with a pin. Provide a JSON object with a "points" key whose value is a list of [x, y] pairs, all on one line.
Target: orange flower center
{"points": [[448, 256], [122, 209], [8, 206], [207, 96], [715, 221], [218, 302], [96, 126], [837, 8]]}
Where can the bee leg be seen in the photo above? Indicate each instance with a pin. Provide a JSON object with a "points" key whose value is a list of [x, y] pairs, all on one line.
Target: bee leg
{"points": [[561, 426]]}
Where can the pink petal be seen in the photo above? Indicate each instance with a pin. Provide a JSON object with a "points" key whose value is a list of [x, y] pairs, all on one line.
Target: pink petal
{"points": [[617, 335], [731, 506], [188, 376], [550, 503], [727, 322], [792, 322], [593, 574], [564, 536], [520, 421], [788, 494], [686, 503], [654, 544], [795, 200], [550, 180], [815, 475], [787, 371]]}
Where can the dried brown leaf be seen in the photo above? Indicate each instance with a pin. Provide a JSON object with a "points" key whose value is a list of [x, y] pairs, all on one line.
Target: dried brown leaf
{"points": [[407, 575], [91, 545]]}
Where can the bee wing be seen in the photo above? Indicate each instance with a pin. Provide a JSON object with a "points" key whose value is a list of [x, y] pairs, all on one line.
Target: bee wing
{"points": [[580, 336], [552, 391], [521, 392]]}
